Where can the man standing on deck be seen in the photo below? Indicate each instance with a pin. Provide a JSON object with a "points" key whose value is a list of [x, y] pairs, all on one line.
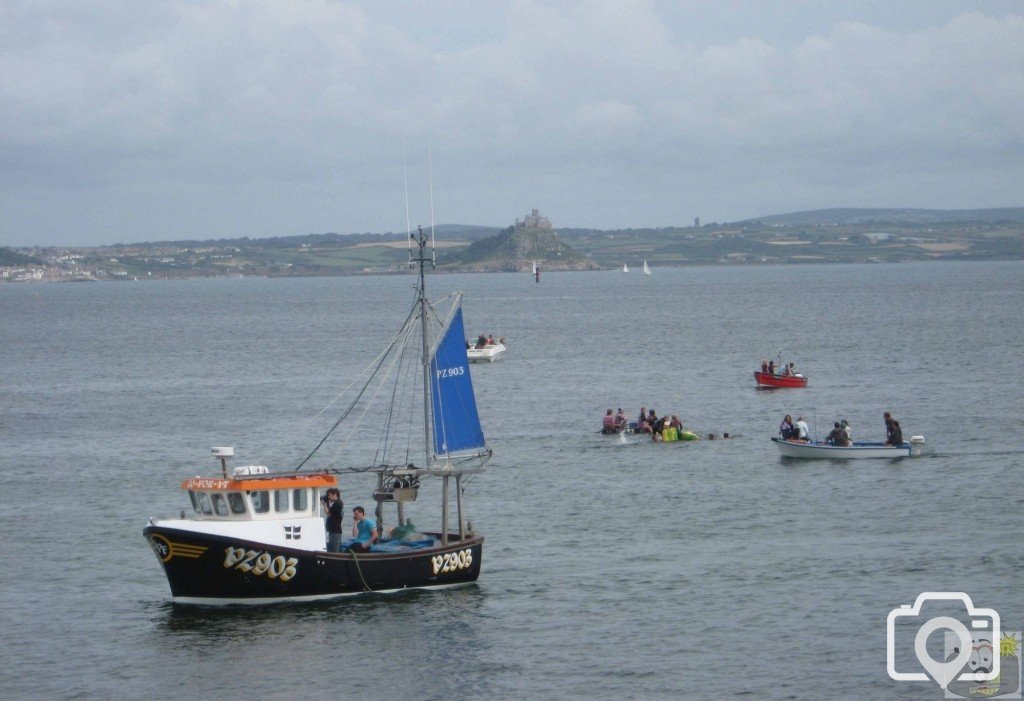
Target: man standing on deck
{"points": [[364, 530], [334, 508]]}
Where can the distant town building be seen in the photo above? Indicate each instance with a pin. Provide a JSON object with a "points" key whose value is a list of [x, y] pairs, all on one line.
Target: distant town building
{"points": [[533, 221], [696, 222]]}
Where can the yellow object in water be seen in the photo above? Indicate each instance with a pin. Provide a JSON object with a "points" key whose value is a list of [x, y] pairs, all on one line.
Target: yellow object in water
{"points": [[688, 436], [669, 434]]}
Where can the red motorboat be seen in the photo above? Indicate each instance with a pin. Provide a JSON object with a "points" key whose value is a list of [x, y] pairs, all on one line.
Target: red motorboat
{"points": [[767, 379]]}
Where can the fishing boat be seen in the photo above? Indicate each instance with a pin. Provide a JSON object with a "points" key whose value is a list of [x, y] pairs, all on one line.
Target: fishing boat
{"points": [[255, 536], [625, 268], [769, 379], [647, 270], [486, 353], [816, 450]]}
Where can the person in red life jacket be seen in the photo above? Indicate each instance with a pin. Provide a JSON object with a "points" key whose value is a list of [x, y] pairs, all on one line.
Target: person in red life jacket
{"points": [[620, 420], [608, 423]]}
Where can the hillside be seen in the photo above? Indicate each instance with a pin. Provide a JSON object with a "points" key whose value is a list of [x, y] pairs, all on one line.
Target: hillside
{"points": [[516, 249], [824, 217], [10, 257], [821, 236]]}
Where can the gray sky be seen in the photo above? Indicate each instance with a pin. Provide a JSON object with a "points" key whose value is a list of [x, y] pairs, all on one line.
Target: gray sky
{"points": [[125, 121]]}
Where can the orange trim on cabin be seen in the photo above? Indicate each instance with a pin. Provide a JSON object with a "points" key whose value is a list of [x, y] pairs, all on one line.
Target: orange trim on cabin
{"points": [[220, 484]]}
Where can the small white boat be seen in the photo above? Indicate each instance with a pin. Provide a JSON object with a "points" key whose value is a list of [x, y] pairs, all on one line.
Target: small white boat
{"points": [[486, 354], [647, 271], [815, 450], [625, 268]]}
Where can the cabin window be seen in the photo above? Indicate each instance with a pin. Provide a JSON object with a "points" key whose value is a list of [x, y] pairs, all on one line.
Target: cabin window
{"points": [[260, 501], [237, 502], [204, 503], [220, 506], [195, 501], [280, 500], [300, 500]]}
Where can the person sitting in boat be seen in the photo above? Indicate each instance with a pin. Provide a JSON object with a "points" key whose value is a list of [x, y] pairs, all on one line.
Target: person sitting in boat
{"points": [[837, 436], [786, 428], [658, 426], [888, 426], [802, 433], [501, 340], [641, 421], [846, 427], [364, 530], [771, 367], [481, 341], [791, 370], [490, 340], [764, 366], [608, 423], [620, 420], [896, 435]]}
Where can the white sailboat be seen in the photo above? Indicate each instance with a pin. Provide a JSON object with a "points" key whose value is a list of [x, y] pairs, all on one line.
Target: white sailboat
{"points": [[625, 268], [647, 271]]}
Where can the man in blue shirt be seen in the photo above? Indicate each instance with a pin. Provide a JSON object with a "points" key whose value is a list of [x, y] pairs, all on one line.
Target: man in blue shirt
{"points": [[364, 529]]}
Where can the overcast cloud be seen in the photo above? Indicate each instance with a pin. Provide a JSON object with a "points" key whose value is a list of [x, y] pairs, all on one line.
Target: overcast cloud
{"points": [[125, 121]]}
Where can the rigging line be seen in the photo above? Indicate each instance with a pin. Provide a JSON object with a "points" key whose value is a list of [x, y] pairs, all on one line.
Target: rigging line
{"points": [[405, 386], [366, 587], [384, 442], [305, 425], [381, 381], [411, 378], [389, 437], [381, 358], [378, 361], [370, 402], [411, 388]]}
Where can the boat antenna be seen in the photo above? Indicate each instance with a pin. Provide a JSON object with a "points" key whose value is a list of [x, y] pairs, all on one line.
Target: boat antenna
{"points": [[405, 176], [430, 174]]}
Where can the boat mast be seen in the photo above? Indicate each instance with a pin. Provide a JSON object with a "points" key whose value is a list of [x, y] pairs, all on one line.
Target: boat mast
{"points": [[421, 240]]}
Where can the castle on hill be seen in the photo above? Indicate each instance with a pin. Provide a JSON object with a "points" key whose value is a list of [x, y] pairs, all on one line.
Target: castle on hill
{"points": [[533, 221]]}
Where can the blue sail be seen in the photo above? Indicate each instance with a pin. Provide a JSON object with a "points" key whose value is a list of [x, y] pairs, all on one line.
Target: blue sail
{"points": [[456, 422]]}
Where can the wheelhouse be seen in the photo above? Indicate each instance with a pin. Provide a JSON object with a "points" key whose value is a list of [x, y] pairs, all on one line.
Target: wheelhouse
{"points": [[252, 494]]}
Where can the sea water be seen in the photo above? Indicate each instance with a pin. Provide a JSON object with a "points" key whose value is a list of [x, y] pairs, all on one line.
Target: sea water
{"points": [[684, 570]]}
